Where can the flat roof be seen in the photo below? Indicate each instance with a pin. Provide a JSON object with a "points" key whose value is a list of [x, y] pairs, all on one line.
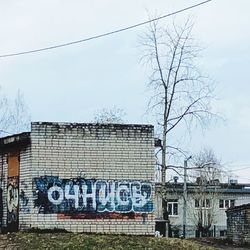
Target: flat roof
{"points": [[14, 140], [76, 124], [225, 188]]}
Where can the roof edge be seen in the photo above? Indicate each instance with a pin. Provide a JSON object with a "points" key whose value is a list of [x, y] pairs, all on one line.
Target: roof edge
{"points": [[90, 124], [15, 139]]}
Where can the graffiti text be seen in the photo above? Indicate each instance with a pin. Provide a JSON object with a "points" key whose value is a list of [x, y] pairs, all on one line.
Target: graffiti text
{"points": [[80, 195]]}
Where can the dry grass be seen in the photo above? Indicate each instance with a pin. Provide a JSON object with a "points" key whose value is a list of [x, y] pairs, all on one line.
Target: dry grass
{"points": [[93, 241]]}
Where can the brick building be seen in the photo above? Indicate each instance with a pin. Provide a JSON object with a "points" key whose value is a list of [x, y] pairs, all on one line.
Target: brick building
{"points": [[238, 224], [78, 177]]}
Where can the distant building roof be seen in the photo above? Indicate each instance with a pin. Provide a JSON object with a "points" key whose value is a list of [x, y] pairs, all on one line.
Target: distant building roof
{"points": [[221, 188]]}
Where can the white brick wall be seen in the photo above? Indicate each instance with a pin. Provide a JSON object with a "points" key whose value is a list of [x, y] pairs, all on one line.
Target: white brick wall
{"points": [[105, 152], [25, 188]]}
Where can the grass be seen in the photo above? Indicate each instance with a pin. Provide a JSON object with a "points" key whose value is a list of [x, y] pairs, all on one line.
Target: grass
{"points": [[60, 241]]}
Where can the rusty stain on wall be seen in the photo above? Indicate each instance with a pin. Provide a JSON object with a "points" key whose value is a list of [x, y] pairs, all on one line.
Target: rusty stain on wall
{"points": [[101, 216]]}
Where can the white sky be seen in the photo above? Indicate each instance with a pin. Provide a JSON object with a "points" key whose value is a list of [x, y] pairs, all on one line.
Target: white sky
{"points": [[72, 83]]}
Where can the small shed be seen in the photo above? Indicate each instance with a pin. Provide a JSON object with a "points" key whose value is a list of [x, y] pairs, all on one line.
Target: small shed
{"points": [[238, 224], [79, 177]]}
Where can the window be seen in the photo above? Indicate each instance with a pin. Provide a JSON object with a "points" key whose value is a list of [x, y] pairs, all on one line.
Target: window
{"points": [[202, 203], [207, 203], [197, 203], [223, 233], [221, 204], [232, 203], [173, 207], [226, 203]]}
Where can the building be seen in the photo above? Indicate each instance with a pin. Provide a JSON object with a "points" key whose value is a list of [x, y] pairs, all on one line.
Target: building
{"points": [[205, 209], [78, 177]]}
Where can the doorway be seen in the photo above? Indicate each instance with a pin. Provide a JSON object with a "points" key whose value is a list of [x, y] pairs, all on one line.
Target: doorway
{"points": [[13, 192]]}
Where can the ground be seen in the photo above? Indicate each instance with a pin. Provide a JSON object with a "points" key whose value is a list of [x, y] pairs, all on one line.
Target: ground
{"points": [[60, 241], [52, 240], [219, 243]]}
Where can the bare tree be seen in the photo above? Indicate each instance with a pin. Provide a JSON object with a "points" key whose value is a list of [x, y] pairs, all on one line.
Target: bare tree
{"points": [[181, 95], [112, 115], [14, 117], [4, 113], [208, 173]]}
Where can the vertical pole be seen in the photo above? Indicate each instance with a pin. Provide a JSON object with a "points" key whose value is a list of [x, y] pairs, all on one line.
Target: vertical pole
{"points": [[185, 199], [1, 193], [163, 170]]}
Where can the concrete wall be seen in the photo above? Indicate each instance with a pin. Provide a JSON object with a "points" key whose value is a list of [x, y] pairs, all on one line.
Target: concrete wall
{"points": [[88, 178]]}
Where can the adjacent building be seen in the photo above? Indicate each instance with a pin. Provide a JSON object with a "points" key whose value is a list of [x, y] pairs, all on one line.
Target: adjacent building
{"points": [[79, 177], [205, 208]]}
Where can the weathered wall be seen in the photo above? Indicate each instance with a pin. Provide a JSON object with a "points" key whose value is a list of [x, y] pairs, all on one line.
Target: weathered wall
{"points": [[89, 178], [26, 202], [3, 186], [12, 202], [238, 224]]}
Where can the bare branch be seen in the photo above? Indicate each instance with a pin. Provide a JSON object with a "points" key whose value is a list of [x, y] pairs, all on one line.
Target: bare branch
{"points": [[14, 117], [180, 94], [112, 115]]}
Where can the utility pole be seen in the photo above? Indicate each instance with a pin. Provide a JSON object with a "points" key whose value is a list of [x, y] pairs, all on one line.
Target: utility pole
{"points": [[185, 197]]}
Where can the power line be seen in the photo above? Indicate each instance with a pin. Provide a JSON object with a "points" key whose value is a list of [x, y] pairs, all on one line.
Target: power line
{"points": [[4, 131], [235, 165], [234, 170], [104, 34]]}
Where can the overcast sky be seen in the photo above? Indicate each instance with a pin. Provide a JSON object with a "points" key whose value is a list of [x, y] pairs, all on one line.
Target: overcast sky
{"points": [[72, 83]]}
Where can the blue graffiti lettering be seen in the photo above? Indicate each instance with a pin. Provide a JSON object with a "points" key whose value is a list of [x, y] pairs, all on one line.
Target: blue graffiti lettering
{"points": [[79, 195]]}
